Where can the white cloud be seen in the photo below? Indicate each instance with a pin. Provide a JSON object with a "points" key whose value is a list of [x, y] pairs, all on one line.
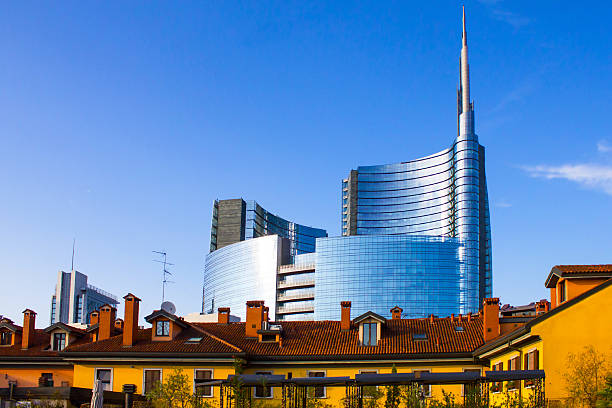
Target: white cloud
{"points": [[514, 19], [503, 204], [594, 176], [604, 147]]}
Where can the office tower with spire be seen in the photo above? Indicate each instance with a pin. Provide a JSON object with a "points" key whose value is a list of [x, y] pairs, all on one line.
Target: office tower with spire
{"points": [[443, 195]]}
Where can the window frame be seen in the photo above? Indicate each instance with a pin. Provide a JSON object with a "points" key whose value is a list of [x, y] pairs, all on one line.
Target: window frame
{"points": [[144, 376], [366, 371], [255, 388], [374, 332], [162, 323], [212, 376], [318, 386], [6, 334], [96, 370], [422, 386], [64, 341]]}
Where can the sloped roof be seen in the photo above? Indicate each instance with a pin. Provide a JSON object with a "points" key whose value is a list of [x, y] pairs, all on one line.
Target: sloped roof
{"points": [[318, 340], [582, 271], [38, 345]]}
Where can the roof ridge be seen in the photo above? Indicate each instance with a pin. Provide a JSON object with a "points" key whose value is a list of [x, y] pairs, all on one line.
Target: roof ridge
{"points": [[216, 338]]}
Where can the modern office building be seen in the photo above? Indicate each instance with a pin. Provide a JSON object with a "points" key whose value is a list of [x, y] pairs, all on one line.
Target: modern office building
{"points": [[75, 299], [415, 234], [238, 220], [442, 195]]}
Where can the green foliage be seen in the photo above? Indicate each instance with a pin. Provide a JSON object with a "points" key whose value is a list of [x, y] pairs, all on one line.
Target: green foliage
{"points": [[393, 393], [605, 395], [585, 376], [175, 392], [448, 401]]}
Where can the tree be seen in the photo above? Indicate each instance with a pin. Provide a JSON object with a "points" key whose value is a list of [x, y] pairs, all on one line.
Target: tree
{"points": [[585, 376], [393, 393], [175, 392], [605, 395]]}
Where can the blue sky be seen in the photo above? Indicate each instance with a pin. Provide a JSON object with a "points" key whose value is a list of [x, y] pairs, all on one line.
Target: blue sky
{"points": [[122, 122]]}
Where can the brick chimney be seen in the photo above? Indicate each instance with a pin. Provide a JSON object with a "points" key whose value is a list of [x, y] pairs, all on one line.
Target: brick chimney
{"points": [[431, 318], [396, 313], [345, 315], [94, 318], [119, 324], [469, 317], [254, 317], [107, 322], [223, 315], [490, 324], [29, 322], [130, 319], [266, 315], [542, 307]]}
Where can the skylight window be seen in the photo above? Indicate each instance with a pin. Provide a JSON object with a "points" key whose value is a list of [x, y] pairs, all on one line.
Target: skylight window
{"points": [[194, 340], [458, 328], [419, 336]]}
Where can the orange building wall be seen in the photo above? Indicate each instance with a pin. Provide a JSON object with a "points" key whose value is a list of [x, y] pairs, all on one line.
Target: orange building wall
{"points": [[28, 377]]}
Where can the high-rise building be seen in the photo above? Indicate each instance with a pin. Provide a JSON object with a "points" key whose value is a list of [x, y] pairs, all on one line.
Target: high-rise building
{"points": [[75, 299], [415, 234], [238, 220], [442, 195], [248, 248]]}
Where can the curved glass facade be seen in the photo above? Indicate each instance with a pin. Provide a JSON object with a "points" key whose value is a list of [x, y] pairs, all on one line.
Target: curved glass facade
{"points": [[441, 195], [236, 220], [244, 271], [421, 274]]}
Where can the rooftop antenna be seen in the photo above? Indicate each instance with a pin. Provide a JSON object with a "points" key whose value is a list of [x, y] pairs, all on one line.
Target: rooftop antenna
{"points": [[165, 272], [72, 265]]}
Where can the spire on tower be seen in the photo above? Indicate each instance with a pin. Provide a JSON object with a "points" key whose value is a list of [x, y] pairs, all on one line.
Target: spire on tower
{"points": [[464, 36], [465, 71]]}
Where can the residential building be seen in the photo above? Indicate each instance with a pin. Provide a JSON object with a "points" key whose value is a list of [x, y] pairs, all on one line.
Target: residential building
{"points": [[75, 299], [581, 320], [237, 220]]}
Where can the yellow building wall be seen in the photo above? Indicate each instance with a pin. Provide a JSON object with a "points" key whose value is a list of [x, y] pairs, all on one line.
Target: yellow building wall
{"points": [[334, 395], [500, 397], [28, 377], [134, 374], [586, 323]]}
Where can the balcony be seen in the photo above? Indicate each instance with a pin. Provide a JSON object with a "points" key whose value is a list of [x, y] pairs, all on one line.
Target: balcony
{"points": [[297, 296], [295, 309], [289, 269], [301, 283]]}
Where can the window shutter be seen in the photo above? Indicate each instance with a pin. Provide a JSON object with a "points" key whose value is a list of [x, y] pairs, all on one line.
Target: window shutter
{"points": [[509, 364], [526, 361], [536, 360]]}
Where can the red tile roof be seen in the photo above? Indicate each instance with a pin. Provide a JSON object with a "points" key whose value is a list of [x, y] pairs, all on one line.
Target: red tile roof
{"points": [[39, 344], [310, 339], [585, 268]]}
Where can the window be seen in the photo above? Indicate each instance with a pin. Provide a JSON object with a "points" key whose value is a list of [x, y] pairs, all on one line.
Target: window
{"points": [[203, 390], [59, 341], [261, 391], [425, 388], [151, 377], [47, 379], [419, 336], [6, 337], [105, 375], [371, 390], [531, 362], [471, 389], [162, 328], [514, 364], [458, 328], [317, 392], [497, 386], [561, 291], [370, 330]]}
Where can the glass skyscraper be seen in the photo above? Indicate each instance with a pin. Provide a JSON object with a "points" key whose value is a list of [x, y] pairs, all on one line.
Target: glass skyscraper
{"points": [[415, 234], [442, 195], [237, 220]]}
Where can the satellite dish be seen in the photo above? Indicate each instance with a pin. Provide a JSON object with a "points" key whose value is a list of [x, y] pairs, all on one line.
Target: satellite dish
{"points": [[168, 307]]}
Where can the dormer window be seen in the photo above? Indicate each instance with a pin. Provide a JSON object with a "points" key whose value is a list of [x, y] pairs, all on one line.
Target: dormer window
{"points": [[370, 332], [162, 328], [59, 341], [6, 338]]}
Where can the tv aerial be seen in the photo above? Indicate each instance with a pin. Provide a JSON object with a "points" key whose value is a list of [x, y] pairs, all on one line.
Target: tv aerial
{"points": [[165, 272]]}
